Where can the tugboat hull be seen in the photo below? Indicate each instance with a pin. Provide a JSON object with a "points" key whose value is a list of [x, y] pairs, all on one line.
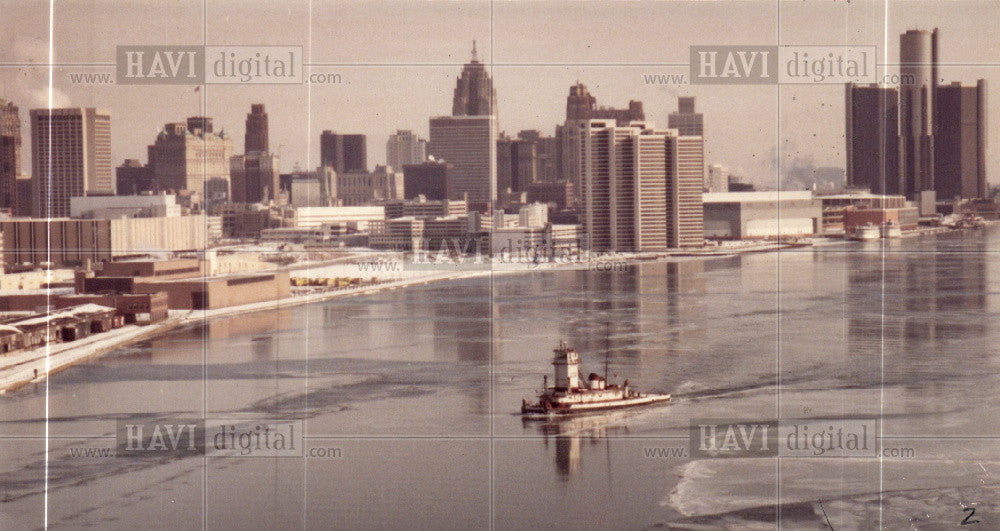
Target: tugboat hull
{"points": [[548, 409]]}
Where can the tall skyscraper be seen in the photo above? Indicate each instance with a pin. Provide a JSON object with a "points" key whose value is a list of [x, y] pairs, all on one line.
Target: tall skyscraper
{"points": [[254, 177], [686, 171], [468, 143], [960, 141], [429, 179], [256, 134], [517, 164], [872, 137], [403, 148], [343, 153], [192, 158], [71, 157], [685, 120], [918, 58], [10, 153], [547, 151], [474, 92], [641, 187]]}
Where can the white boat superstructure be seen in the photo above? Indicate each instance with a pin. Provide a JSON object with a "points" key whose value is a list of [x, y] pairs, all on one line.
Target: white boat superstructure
{"points": [[570, 394]]}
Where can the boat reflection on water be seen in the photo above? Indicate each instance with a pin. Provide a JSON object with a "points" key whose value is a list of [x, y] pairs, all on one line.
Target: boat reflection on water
{"points": [[569, 433]]}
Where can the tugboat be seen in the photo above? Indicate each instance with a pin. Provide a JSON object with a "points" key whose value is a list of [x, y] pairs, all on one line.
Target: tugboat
{"points": [[571, 395]]}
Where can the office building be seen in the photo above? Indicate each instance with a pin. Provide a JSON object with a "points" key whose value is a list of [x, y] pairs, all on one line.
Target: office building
{"points": [[134, 177], [474, 93], [468, 143], [517, 164], [71, 157], [192, 157], [429, 179], [581, 106], [404, 148], [685, 120], [10, 154], [556, 193], [366, 188], [641, 187], [918, 57], [686, 171], [960, 141], [343, 153], [548, 155], [256, 130], [718, 179], [254, 177], [309, 188], [872, 138]]}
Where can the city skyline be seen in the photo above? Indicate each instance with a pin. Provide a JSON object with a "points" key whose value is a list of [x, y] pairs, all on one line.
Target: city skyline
{"points": [[404, 87]]}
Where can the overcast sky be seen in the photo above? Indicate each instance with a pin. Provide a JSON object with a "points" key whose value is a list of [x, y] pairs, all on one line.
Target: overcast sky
{"points": [[398, 62]]}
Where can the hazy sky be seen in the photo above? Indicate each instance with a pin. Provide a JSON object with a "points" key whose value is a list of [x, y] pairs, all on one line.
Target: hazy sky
{"points": [[398, 62]]}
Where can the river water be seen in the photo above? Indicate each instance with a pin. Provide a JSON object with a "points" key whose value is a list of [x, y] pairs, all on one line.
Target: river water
{"points": [[412, 395]]}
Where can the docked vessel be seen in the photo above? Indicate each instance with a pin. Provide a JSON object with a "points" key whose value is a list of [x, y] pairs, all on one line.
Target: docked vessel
{"points": [[866, 232], [570, 394]]}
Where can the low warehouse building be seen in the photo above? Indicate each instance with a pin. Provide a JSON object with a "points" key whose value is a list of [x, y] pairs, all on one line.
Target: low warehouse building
{"points": [[743, 215], [219, 292]]}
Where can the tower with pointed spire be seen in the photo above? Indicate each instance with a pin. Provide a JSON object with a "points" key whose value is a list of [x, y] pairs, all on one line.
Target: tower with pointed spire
{"points": [[474, 93]]}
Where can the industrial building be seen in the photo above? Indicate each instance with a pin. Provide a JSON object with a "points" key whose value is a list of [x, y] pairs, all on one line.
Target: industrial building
{"points": [[183, 283], [835, 204], [741, 215], [57, 242]]}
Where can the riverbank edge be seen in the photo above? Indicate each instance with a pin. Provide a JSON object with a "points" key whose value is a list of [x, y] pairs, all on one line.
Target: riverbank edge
{"points": [[23, 373]]}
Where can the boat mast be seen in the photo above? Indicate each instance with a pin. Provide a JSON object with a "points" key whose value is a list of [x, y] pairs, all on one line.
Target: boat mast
{"points": [[607, 348]]}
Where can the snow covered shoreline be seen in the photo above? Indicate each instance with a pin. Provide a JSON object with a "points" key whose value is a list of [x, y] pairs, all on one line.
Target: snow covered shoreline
{"points": [[33, 366]]}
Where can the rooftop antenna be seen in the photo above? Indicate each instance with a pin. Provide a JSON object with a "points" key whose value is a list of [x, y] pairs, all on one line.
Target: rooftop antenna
{"points": [[474, 58]]}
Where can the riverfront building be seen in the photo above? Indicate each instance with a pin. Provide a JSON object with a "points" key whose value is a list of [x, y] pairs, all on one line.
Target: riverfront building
{"points": [[62, 241], [742, 215], [641, 187], [960, 141]]}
